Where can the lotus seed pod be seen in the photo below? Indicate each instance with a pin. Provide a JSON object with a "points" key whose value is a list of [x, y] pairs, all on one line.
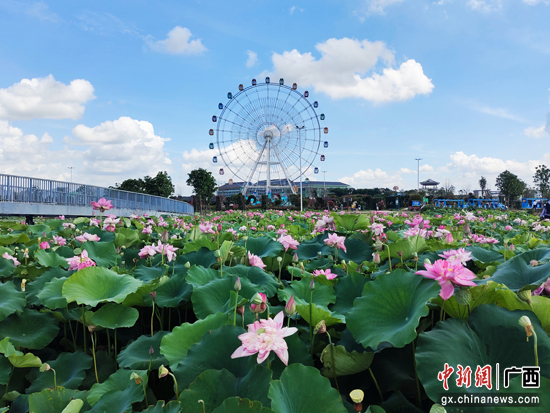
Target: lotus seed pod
{"points": [[357, 396], [320, 328], [525, 295], [163, 372], [45, 367], [279, 259], [525, 322], [463, 297], [187, 265], [257, 299], [217, 254]]}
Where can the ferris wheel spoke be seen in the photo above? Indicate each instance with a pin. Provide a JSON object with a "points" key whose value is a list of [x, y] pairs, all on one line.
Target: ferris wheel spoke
{"points": [[247, 121]]}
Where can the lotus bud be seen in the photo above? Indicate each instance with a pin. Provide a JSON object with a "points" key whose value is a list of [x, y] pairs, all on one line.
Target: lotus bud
{"points": [[427, 261], [463, 297], [237, 285], [153, 295], [376, 257], [320, 328], [400, 253], [258, 303], [512, 247], [91, 328], [312, 284], [165, 236], [357, 398], [421, 225], [378, 245], [295, 257], [494, 225], [219, 227], [136, 377], [23, 282], [525, 296], [187, 265], [279, 259], [525, 322], [151, 351], [290, 307], [45, 367], [163, 372], [319, 254], [240, 310]]}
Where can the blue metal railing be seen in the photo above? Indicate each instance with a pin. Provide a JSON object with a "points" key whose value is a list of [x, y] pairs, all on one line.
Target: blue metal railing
{"points": [[35, 190]]}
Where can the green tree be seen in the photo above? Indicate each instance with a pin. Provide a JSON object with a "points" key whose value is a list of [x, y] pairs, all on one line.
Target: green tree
{"points": [[160, 185], [510, 186], [542, 180], [203, 184], [132, 185], [483, 185]]}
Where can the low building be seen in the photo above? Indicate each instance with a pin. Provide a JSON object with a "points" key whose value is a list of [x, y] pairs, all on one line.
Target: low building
{"points": [[309, 188]]}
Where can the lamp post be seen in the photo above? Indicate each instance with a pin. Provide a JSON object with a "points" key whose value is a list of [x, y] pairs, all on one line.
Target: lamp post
{"points": [[418, 173], [324, 183], [71, 168], [300, 143]]}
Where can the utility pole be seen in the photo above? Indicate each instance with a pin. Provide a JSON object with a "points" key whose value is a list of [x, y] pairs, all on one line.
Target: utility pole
{"points": [[418, 173], [324, 183], [71, 168], [300, 143]]}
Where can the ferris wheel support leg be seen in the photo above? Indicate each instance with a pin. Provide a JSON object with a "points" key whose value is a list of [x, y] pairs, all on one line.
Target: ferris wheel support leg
{"points": [[284, 171], [251, 174], [268, 167]]}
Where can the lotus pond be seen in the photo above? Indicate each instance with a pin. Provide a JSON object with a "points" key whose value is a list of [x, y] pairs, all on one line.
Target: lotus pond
{"points": [[275, 311]]}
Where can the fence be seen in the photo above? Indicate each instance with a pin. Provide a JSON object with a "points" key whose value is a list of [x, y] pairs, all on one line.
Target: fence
{"points": [[44, 191]]}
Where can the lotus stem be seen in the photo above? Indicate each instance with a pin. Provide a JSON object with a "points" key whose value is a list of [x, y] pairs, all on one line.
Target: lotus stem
{"points": [[145, 393], [176, 384], [152, 317], [235, 310], [202, 401], [376, 384], [335, 254], [108, 342], [536, 348], [311, 335], [54, 378], [389, 256], [83, 327], [418, 395], [333, 362], [115, 344], [93, 354]]}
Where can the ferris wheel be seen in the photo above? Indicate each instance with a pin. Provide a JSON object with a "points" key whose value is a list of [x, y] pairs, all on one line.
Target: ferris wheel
{"points": [[268, 135]]}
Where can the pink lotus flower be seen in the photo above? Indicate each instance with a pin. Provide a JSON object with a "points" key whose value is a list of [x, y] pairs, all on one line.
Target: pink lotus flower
{"points": [[44, 245], [326, 273], [59, 240], [448, 273], [80, 261], [147, 230], [147, 252], [263, 337], [102, 205], [87, 237], [110, 224], [166, 249], [206, 228], [9, 257], [93, 222], [461, 254], [261, 307], [288, 242], [255, 261], [334, 240]]}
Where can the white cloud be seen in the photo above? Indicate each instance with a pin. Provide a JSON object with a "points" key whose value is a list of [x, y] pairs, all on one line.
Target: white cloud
{"points": [[376, 6], [536, 133], [341, 71], [178, 42], [252, 58], [498, 112], [423, 168], [485, 6], [45, 98], [535, 2], [42, 12], [294, 8], [103, 155], [406, 171], [372, 179]]}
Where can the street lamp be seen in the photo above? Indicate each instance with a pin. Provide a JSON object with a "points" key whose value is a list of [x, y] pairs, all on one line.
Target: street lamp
{"points": [[300, 143], [71, 168], [324, 183], [418, 173]]}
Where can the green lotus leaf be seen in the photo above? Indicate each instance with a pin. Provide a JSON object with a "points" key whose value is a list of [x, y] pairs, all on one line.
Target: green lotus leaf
{"points": [[30, 329], [347, 290], [173, 292], [174, 346], [492, 335], [70, 369], [17, 358], [203, 257], [517, 273], [113, 315], [5, 370], [323, 295], [106, 365], [390, 309], [516, 388], [238, 405], [50, 259], [319, 314], [148, 274], [309, 250], [484, 255], [35, 287], [14, 239], [102, 253], [356, 251], [202, 242], [214, 386], [262, 246], [214, 352], [136, 354], [126, 237], [94, 285], [6, 268], [161, 407], [407, 247], [345, 363], [12, 299], [351, 222], [54, 400], [51, 295], [74, 406], [375, 409], [141, 296], [303, 389], [267, 282], [120, 385]]}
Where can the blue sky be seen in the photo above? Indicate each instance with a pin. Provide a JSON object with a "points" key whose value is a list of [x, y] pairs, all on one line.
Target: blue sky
{"points": [[124, 89]]}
